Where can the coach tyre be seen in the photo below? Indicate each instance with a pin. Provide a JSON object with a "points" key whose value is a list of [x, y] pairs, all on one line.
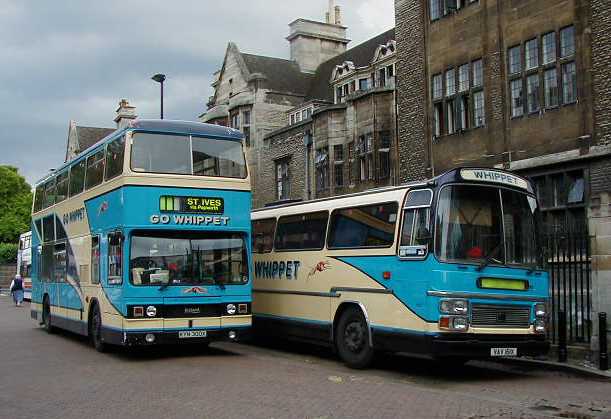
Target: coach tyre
{"points": [[352, 339], [46, 315], [95, 329]]}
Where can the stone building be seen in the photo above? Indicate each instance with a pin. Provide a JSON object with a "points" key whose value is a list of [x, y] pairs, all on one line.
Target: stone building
{"points": [[81, 138], [524, 85], [321, 123]]}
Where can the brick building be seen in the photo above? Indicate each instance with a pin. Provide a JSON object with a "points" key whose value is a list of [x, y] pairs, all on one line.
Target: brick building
{"points": [[322, 123], [524, 85]]}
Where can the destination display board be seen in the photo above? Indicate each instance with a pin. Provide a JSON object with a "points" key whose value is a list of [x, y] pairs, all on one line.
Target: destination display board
{"points": [[192, 204]]}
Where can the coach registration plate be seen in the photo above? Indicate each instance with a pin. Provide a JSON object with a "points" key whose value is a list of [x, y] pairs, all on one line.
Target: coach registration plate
{"points": [[185, 334], [503, 351]]}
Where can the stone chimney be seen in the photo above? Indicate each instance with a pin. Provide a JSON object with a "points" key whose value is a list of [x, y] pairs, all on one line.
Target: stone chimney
{"points": [[313, 43], [125, 114]]}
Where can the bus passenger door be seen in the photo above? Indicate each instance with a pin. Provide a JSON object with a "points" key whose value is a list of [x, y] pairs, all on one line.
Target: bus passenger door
{"points": [[415, 245]]}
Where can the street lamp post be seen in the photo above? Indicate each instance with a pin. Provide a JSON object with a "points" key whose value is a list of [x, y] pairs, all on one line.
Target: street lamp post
{"points": [[160, 78]]}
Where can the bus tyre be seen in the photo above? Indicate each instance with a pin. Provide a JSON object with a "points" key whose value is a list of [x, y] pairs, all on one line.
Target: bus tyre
{"points": [[95, 329], [352, 339], [46, 316]]}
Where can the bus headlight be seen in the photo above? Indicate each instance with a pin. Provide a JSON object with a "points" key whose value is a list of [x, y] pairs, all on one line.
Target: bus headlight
{"points": [[151, 311], [459, 307], [539, 326], [540, 310], [456, 323], [231, 310]]}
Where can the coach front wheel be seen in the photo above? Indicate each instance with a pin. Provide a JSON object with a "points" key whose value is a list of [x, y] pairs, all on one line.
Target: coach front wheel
{"points": [[46, 315], [352, 339], [95, 329]]}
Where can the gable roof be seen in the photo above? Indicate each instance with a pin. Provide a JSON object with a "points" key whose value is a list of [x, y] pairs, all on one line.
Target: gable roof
{"points": [[88, 136], [361, 55], [279, 75]]}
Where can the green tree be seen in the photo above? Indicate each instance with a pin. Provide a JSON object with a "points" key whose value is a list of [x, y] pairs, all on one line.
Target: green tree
{"points": [[15, 204]]}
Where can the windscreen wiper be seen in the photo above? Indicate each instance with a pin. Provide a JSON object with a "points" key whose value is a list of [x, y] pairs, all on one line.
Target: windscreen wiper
{"points": [[490, 257]]}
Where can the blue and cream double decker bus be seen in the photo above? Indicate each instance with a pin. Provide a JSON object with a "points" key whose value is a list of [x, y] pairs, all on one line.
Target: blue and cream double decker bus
{"points": [[144, 238], [447, 268]]}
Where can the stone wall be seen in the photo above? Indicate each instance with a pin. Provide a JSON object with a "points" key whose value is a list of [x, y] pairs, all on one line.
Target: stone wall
{"points": [[7, 274], [287, 144], [411, 89], [601, 69]]}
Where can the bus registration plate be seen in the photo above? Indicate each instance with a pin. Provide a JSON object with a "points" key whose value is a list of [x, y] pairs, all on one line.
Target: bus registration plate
{"points": [[503, 351], [186, 334]]}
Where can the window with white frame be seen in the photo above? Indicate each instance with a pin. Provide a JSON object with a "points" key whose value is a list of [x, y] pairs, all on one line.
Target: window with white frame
{"points": [[454, 107], [246, 126], [531, 54], [338, 165], [384, 155], [517, 101], [442, 8], [549, 81], [321, 164], [282, 179]]}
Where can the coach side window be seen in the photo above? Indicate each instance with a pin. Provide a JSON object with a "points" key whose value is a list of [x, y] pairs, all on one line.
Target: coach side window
{"points": [[95, 259], [60, 262], [95, 170], [77, 178], [263, 235], [62, 187], [302, 232], [114, 158], [39, 199], [115, 258], [415, 235], [49, 193], [363, 227]]}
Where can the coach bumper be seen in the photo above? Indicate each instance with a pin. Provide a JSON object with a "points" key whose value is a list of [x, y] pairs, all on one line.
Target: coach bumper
{"points": [[482, 345], [162, 337]]}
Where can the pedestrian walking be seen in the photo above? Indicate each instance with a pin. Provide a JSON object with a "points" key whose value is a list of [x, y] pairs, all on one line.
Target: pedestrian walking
{"points": [[17, 290]]}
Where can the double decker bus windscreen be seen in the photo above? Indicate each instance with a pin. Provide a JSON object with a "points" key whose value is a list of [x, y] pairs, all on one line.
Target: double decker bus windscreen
{"points": [[477, 223], [184, 155], [159, 258]]}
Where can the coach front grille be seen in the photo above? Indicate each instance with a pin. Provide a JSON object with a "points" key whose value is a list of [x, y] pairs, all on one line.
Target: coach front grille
{"points": [[501, 316]]}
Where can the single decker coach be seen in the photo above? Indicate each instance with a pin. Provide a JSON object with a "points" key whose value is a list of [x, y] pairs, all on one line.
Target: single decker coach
{"points": [[448, 268], [144, 238]]}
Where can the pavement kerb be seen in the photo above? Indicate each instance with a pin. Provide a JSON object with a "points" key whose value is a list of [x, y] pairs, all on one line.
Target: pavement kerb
{"points": [[560, 366]]}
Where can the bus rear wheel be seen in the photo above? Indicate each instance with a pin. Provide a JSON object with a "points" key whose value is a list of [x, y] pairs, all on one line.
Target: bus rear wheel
{"points": [[352, 339], [46, 315], [95, 329]]}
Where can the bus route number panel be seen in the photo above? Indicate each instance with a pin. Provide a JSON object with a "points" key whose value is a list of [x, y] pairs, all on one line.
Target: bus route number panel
{"points": [[192, 204]]}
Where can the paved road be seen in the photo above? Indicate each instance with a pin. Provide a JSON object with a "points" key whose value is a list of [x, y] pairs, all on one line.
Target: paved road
{"points": [[61, 376]]}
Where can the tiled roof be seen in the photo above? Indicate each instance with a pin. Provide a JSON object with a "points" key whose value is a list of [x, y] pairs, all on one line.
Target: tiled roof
{"points": [[88, 136], [361, 55], [280, 75]]}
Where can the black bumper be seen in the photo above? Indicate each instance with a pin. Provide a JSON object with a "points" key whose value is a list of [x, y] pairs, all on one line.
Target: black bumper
{"points": [[478, 346], [464, 345], [116, 337]]}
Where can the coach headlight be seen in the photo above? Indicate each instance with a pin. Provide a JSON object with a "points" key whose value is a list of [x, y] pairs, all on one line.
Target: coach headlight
{"points": [[151, 311], [540, 310], [231, 309], [454, 306]]}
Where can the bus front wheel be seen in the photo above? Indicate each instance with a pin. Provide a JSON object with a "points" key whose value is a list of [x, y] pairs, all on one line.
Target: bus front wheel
{"points": [[352, 339], [46, 315], [95, 329]]}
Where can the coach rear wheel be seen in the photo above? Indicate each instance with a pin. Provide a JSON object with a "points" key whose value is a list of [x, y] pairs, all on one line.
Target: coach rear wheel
{"points": [[46, 316], [95, 329], [352, 339]]}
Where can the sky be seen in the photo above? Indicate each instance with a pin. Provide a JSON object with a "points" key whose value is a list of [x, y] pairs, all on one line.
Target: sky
{"points": [[68, 60]]}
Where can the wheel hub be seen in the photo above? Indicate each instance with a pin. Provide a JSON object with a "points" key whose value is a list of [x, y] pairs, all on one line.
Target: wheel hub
{"points": [[354, 336]]}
